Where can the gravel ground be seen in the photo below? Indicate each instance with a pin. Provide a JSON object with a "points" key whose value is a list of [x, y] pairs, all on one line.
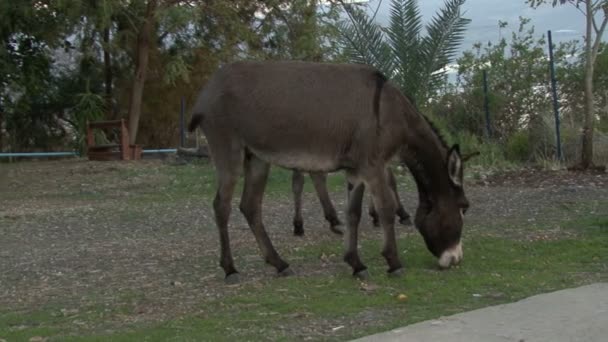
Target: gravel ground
{"points": [[74, 234]]}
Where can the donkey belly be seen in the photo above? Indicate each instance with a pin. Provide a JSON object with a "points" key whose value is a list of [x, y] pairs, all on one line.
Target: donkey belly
{"points": [[308, 142], [301, 160]]}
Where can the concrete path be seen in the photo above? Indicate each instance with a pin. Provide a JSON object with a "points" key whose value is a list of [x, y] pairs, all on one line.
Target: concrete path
{"points": [[579, 314]]}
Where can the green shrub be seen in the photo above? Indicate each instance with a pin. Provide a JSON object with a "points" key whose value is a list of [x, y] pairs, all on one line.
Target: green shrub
{"points": [[491, 154], [518, 147]]}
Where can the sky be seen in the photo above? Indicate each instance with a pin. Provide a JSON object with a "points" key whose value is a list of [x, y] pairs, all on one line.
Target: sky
{"points": [[565, 22]]}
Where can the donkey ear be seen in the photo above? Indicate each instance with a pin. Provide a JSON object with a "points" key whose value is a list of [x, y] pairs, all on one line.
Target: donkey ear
{"points": [[455, 165]]}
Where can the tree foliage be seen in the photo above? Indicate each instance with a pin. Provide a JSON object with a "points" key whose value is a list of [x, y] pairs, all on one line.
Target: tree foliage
{"points": [[518, 79], [59, 58]]}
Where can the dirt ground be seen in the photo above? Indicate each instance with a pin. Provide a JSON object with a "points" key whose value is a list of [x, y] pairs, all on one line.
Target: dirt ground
{"points": [[75, 234]]}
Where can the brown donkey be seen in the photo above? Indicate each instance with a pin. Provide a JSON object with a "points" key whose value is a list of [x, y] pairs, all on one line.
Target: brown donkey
{"points": [[319, 180], [320, 117]]}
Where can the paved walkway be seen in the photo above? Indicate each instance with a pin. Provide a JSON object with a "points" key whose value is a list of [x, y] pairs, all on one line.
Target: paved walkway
{"points": [[579, 314]]}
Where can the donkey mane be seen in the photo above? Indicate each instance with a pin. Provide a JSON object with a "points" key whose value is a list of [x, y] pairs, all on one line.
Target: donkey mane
{"points": [[433, 126], [436, 131]]}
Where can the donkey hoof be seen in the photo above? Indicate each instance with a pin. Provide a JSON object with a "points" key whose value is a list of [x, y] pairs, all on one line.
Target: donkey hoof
{"points": [[286, 272], [361, 275], [232, 279], [396, 273], [334, 221], [298, 227], [336, 230], [406, 221]]}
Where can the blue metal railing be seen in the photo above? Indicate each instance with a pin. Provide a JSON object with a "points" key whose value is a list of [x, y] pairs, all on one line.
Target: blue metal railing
{"points": [[69, 154], [39, 154]]}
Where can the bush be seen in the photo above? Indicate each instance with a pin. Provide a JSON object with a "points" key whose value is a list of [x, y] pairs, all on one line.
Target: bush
{"points": [[518, 147], [490, 153], [572, 146], [541, 133]]}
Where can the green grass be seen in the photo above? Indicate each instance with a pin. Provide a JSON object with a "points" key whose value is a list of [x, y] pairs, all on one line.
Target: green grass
{"points": [[494, 271], [198, 179]]}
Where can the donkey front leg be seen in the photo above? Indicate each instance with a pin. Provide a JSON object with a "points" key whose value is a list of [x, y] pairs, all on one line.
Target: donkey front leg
{"points": [[384, 202], [353, 217], [319, 180], [297, 186], [256, 175]]}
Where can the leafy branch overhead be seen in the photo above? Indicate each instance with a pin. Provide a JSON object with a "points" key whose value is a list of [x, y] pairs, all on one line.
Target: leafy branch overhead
{"points": [[415, 61]]}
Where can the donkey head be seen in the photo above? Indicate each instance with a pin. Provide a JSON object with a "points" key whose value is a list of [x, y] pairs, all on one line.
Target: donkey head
{"points": [[439, 217]]}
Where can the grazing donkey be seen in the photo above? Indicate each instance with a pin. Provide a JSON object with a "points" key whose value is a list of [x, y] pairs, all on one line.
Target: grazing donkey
{"points": [[319, 180], [318, 117]]}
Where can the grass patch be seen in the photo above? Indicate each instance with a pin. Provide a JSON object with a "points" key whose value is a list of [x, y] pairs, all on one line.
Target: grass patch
{"points": [[495, 271], [145, 204]]}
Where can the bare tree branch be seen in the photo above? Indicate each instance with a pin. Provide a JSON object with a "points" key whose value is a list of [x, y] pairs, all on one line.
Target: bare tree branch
{"points": [[575, 4], [598, 39], [352, 20], [595, 28], [376, 11]]}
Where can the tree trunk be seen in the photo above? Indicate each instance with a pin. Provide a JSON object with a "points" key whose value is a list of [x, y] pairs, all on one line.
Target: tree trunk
{"points": [[587, 151], [141, 68], [107, 63]]}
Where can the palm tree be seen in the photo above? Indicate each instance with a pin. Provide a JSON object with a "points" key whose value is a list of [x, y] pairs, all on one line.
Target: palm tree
{"points": [[415, 62]]}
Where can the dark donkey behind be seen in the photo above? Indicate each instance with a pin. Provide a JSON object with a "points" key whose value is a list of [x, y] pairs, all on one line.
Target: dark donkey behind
{"points": [[319, 180], [323, 118]]}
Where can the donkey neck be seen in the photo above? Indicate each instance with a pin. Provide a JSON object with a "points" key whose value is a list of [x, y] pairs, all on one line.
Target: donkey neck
{"points": [[425, 154]]}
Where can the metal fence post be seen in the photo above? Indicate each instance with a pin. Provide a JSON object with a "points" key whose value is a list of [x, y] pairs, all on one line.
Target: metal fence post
{"points": [[182, 137], [555, 100]]}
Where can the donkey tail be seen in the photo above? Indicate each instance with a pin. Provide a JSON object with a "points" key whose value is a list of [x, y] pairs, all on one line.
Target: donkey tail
{"points": [[195, 121]]}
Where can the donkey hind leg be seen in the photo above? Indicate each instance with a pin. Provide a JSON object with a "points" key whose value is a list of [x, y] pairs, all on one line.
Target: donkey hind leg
{"points": [[384, 202], [319, 180], [404, 217], [353, 217], [227, 171], [297, 186], [256, 175]]}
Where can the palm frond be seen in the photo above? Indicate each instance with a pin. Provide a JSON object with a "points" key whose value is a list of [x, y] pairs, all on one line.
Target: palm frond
{"points": [[365, 42], [404, 38], [410, 59], [445, 32]]}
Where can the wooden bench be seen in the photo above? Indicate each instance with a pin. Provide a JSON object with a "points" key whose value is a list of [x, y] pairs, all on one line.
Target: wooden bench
{"points": [[120, 151]]}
